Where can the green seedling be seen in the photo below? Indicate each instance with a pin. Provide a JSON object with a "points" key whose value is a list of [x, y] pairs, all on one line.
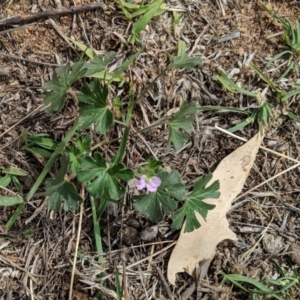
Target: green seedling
{"points": [[280, 96], [132, 10], [181, 60], [280, 288], [177, 18], [261, 115], [291, 37], [146, 13], [294, 93], [39, 144], [234, 88], [10, 176]]}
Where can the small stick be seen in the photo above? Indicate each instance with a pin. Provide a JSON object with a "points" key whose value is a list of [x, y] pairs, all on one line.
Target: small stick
{"points": [[51, 13], [16, 28], [260, 147], [28, 60], [164, 283], [268, 180], [76, 245], [20, 121]]}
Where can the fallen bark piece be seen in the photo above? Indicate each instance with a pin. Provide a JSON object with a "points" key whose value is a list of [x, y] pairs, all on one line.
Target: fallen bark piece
{"points": [[200, 244]]}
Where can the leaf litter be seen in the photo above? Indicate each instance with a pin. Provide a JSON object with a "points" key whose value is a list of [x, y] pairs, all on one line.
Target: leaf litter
{"points": [[21, 93]]}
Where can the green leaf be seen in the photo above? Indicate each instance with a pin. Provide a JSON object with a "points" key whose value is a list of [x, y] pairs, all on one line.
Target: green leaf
{"points": [[93, 107], [17, 184], [265, 78], [260, 287], [183, 119], [103, 180], [194, 203], [182, 61], [38, 151], [80, 147], [224, 109], [126, 64], [153, 164], [98, 64], [145, 19], [294, 92], [61, 191], [88, 51], [14, 172], [40, 139], [241, 125], [57, 89], [185, 62], [10, 200], [292, 116], [5, 181], [156, 205], [181, 49], [232, 87]]}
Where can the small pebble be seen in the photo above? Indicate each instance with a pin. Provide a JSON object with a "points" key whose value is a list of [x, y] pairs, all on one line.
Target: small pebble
{"points": [[149, 233]]}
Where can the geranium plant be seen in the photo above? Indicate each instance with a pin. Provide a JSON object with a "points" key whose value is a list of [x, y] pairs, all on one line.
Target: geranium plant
{"points": [[105, 177]]}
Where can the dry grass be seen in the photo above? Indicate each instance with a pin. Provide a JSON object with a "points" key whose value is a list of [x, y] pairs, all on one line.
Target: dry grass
{"points": [[36, 255]]}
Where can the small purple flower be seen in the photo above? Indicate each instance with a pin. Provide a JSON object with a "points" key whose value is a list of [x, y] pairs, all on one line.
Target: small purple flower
{"points": [[150, 183]]}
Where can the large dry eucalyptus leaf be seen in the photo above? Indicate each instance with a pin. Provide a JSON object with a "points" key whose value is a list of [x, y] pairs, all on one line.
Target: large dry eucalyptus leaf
{"points": [[200, 244]]}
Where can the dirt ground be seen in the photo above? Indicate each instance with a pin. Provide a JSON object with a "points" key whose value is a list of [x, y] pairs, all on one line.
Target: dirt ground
{"points": [[36, 254]]}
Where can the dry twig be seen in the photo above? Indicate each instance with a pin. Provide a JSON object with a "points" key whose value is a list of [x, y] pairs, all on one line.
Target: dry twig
{"points": [[52, 13]]}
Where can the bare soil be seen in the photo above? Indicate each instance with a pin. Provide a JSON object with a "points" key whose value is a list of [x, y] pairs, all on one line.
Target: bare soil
{"points": [[36, 254]]}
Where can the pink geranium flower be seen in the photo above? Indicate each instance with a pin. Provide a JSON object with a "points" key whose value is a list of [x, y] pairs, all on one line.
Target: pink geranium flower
{"points": [[150, 183]]}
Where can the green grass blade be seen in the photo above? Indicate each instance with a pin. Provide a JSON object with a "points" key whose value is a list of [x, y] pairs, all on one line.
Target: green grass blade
{"points": [[181, 48], [131, 6], [276, 17], [260, 286], [122, 146], [118, 284], [145, 19], [224, 109], [233, 281], [278, 56], [239, 126], [232, 87], [97, 232], [14, 217], [298, 35], [88, 51], [266, 79], [288, 70], [38, 151], [126, 64]]}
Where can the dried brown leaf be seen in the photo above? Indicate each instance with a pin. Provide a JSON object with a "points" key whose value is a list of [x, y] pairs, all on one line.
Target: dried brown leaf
{"points": [[200, 244]]}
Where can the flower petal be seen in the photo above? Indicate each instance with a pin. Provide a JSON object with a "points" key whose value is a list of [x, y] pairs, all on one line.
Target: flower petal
{"points": [[151, 188], [141, 183], [155, 181]]}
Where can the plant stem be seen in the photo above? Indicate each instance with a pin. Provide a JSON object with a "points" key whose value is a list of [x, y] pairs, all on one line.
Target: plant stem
{"points": [[97, 231], [14, 217], [74, 96], [122, 147]]}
